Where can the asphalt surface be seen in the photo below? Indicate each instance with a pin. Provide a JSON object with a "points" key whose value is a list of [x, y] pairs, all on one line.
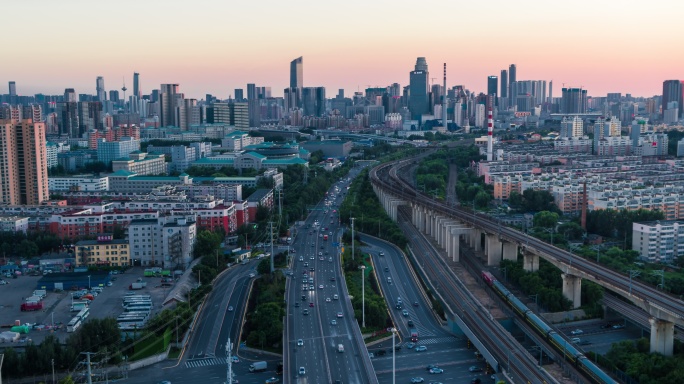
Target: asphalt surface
{"points": [[444, 350], [320, 354]]}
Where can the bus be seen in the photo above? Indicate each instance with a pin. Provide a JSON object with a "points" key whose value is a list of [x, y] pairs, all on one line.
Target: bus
{"points": [[131, 325], [124, 319], [138, 308], [78, 320], [131, 302]]}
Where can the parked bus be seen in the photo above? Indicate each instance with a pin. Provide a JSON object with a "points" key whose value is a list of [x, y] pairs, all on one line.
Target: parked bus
{"points": [[133, 302], [78, 320], [138, 308], [131, 325]]}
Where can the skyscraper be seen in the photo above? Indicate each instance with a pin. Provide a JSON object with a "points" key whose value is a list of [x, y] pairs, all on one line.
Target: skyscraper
{"points": [[12, 88], [67, 118], [672, 91], [418, 89], [251, 92], [297, 73], [100, 89], [136, 85], [239, 94], [512, 74], [70, 95], [492, 85], [168, 104], [512, 78], [23, 163], [504, 83]]}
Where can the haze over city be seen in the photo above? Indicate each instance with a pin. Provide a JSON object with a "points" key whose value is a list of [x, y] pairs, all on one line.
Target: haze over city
{"points": [[216, 46]]}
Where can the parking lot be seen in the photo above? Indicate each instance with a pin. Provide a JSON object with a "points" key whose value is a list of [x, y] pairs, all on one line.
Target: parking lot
{"points": [[57, 305]]}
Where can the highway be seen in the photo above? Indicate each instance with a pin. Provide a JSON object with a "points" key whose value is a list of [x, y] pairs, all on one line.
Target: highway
{"points": [[319, 311], [385, 176], [444, 349]]}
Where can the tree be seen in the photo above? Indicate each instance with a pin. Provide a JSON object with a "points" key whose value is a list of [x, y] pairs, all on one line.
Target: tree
{"points": [[264, 266], [545, 219]]}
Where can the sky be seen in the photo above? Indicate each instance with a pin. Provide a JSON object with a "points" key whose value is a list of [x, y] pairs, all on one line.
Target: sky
{"points": [[215, 46]]}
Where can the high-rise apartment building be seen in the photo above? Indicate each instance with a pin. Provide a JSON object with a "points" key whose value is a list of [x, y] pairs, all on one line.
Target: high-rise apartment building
{"points": [[89, 116], [573, 100], [419, 103], [168, 102], [67, 118], [23, 163], [136, 85], [112, 150], [572, 127], [673, 91], [239, 94], [100, 89]]}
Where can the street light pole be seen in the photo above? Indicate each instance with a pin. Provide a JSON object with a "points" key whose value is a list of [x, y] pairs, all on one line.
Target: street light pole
{"points": [[363, 296], [394, 351]]}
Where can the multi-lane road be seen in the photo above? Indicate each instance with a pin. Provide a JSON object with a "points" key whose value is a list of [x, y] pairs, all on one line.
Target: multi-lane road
{"points": [[323, 340], [448, 352]]}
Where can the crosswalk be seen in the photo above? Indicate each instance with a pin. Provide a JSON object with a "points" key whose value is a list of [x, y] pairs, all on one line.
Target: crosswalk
{"points": [[206, 362], [423, 332]]}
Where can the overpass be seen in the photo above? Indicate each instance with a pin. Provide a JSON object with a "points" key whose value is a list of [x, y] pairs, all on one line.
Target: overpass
{"points": [[448, 224]]}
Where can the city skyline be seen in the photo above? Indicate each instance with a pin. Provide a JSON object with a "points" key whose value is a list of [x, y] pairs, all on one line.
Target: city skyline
{"points": [[352, 50]]}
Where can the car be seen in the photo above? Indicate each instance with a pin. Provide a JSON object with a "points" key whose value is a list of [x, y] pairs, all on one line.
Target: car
{"points": [[164, 382], [421, 348], [251, 275], [475, 368], [301, 258], [410, 345], [312, 269], [3, 282], [429, 367], [305, 312], [397, 347], [585, 342], [311, 304], [235, 359], [415, 303], [436, 370], [333, 322], [303, 297], [618, 326], [306, 265], [339, 314], [320, 286], [476, 381], [302, 371], [330, 259], [335, 297], [575, 340], [327, 300], [272, 380], [435, 382], [230, 308], [321, 258], [577, 332], [386, 269], [417, 380], [371, 355], [300, 342], [410, 323], [109, 283], [405, 313], [381, 352], [332, 278], [296, 304]]}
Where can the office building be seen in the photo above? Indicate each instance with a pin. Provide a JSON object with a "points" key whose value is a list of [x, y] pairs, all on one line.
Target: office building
{"points": [[70, 96], [100, 89], [166, 242], [114, 96], [297, 73], [512, 75], [672, 92], [12, 89], [67, 119], [136, 85], [89, 117], [107, 151], [23, 163], [492, 85], [573, 100], [659, 241], [142, 163], [419, 103], [105, 251], [251, 92], [504, 83]]}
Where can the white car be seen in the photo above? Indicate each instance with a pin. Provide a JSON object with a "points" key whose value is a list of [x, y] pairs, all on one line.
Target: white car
{"points": [[302, 371], [300, 342], [577, 332], [327, 299], [320, 286]]}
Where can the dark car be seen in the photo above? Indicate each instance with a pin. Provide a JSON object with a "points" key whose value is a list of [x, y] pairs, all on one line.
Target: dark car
{"points": [[380, 352], [410, 323]]}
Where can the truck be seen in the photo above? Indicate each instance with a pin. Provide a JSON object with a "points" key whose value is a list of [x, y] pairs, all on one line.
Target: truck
{"points": [[414, 335], [31, 306], [258, 366], [77, 306], [325, 237], [340, 348], [138, 285], [40, 292]]}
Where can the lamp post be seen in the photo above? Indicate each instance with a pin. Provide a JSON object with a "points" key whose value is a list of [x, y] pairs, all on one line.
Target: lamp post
{"points": [[88, 282], [632, 274], [394, 351], [363, 296]]}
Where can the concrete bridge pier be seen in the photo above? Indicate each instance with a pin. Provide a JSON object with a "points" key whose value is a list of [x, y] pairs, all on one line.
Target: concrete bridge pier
{"points": [[530, 262], [493, 249], [476, 240], [662, 336], [510, 251], [572, 289]]}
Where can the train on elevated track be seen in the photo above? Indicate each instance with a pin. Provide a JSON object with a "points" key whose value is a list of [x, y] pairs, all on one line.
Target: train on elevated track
{"points": [[565, 347]]}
